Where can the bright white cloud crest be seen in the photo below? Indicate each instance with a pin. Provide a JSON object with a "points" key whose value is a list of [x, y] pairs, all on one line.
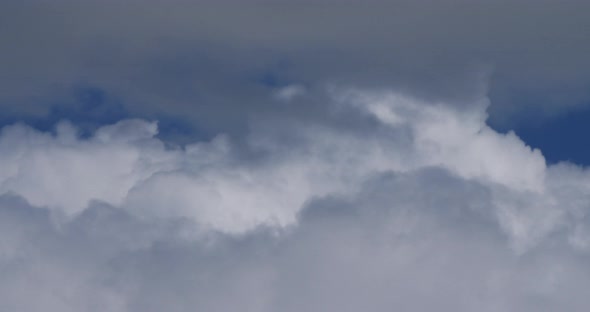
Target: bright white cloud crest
{"points": [[434, 211]]}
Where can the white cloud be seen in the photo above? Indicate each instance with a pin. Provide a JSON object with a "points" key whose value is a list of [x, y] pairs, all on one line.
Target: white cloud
{"points": [[433, 211], [287, 93]]}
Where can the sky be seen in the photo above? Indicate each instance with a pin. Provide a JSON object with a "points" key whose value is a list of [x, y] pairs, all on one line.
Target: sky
{"points": [[292, 155]]}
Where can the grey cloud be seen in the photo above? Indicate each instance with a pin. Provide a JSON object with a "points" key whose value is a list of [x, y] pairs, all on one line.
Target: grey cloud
{"points": [[419, 241], [315, 187], [198, 60]]}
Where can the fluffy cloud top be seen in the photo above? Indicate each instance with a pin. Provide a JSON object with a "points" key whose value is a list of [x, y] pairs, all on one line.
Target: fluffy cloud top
{"points": [[431, 211]]}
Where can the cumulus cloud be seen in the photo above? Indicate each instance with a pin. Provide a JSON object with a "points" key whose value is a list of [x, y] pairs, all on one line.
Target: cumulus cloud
{"points": [[433, 210]]}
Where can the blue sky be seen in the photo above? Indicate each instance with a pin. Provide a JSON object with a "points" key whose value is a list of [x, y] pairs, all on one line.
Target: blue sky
{"points": [[561, 137]]}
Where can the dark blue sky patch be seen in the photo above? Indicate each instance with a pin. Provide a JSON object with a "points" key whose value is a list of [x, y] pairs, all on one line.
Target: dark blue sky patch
{"points": [[275, 75], [561, 138], [270, 79], [90, 108]]}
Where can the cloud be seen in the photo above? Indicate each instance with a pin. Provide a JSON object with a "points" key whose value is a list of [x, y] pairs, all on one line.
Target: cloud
{"points": [[333, 156], [125, 164], [433, 210], [181, 58], [289, 92]]}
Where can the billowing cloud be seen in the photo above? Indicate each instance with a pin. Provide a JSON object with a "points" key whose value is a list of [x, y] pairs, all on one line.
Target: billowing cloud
{"points": [[430, 210]]}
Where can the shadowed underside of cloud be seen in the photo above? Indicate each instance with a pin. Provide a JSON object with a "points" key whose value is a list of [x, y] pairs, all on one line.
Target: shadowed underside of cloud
{"points": [[433, 210]]}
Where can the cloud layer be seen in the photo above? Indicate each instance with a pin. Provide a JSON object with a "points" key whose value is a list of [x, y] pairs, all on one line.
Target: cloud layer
{"points": [[180, 58], [429, 210]]}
